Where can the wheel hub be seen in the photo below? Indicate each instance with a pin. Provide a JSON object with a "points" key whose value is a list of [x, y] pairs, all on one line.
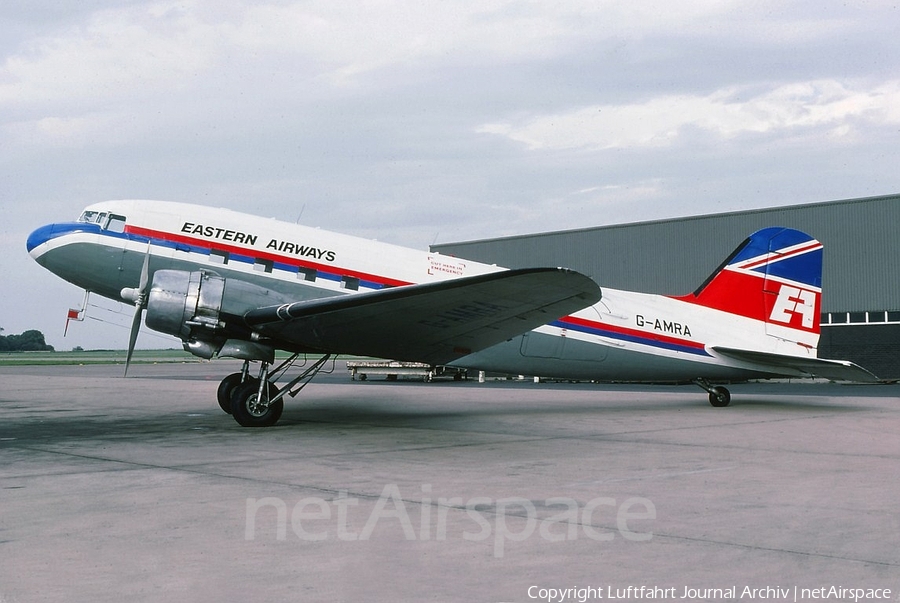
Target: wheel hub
{"points": [[257, 407]]}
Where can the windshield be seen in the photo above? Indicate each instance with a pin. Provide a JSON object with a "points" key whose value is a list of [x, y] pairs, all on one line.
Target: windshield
{"points": [[112, 222], [92, 217]]}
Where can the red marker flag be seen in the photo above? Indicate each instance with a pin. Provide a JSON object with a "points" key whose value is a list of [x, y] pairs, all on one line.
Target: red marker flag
{"points": [[73, 315]]}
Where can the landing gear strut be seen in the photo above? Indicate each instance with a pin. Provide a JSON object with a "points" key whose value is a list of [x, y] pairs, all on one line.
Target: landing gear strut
{"points": [[256, 401], [718, 395]]}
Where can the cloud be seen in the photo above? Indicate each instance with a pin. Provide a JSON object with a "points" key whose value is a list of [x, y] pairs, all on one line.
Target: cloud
{"points": [[121, 52], [724, 114], [362, 116], [139, 69], [116, 54], [90, 129]]}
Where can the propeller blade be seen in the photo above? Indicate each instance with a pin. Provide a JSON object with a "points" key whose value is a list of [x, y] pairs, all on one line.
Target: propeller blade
{"points": [[145, 272], [132, 340], [139, 298]]}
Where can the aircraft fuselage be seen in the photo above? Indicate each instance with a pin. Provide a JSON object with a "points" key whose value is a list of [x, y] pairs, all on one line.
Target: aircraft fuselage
{"points": [[627, 336]]}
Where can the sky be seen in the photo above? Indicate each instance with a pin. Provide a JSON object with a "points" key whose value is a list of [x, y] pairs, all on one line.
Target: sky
{"points": [[431, 122]]}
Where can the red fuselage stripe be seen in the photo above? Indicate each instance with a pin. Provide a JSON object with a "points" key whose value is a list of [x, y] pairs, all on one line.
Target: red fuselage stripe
{"points": [[207, 245]]}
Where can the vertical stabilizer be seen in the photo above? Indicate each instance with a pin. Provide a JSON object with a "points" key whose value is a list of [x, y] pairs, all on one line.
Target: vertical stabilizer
{"points": [[774, 277]]}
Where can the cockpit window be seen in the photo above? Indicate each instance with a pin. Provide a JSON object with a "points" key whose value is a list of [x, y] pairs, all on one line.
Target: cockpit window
{"points": [[111, 222], [92, 217], [115, 223]]}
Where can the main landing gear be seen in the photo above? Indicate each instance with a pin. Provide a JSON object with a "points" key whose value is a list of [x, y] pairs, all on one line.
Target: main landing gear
{"points": [[718, 395], [257, 401]]}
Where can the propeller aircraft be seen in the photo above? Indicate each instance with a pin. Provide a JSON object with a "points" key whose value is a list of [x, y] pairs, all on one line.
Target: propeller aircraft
{"points": [[229, 284]]}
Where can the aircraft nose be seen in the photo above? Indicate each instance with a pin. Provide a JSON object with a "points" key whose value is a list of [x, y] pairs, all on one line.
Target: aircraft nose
{"points": [[40, 236]]}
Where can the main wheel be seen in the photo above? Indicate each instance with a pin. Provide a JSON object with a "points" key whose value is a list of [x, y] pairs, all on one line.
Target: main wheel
{"points": [[719, 397], [248, 410], [226, 388]]}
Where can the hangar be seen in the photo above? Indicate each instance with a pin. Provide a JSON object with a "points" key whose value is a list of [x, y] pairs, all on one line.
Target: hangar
{"points": [[861, 280]]}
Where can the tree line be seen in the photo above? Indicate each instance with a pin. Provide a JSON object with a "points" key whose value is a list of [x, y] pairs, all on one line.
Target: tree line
{"points": [[29, 341]]}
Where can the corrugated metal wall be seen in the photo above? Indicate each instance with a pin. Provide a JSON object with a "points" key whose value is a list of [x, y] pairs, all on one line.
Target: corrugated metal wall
{"points": [[862, 252]]}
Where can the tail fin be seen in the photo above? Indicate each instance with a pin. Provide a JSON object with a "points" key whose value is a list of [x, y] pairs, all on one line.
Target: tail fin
{"points": [[775, 277]]}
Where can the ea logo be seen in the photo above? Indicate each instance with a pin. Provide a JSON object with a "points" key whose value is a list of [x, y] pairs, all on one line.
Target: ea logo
{"points": [[793, 301]]}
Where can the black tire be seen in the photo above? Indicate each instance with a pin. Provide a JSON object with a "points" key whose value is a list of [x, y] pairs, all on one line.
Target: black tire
{"points": [[246, 410], [226, 388], [720, 397]]}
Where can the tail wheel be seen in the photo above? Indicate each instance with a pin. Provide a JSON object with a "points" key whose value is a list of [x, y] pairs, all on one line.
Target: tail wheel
{"points": [[719, 397], [250, 411]]}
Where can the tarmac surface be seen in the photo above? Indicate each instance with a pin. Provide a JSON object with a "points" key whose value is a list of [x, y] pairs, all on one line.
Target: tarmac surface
{"points": [[142, 489]]}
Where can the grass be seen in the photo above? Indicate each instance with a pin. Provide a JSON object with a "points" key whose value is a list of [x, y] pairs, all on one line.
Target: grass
{"points": [[109, 357], [94, 357]]}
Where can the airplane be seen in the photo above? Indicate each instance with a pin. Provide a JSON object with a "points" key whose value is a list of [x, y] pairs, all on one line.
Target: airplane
{"points": [[229, 284]]}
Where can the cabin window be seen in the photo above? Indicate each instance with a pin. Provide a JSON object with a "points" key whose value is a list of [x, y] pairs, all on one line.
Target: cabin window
{"points": [[350, 282], [893, 316], [218, 257], [307, 274], [263, 265]]}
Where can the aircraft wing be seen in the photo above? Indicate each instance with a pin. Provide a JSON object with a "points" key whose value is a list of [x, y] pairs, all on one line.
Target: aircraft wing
{"points": [[431, 322], [836, 370]]}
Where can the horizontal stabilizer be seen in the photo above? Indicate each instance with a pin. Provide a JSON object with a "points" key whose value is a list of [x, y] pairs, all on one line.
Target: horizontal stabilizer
{"points": [[432, 322], [836, 370]]}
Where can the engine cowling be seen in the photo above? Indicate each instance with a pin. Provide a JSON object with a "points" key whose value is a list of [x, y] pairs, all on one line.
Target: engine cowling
{"points": [[204, 310], [179, 303]]}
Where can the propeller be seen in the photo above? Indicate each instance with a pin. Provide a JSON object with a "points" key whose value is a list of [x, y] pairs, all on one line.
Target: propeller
{"points": [[138, 297]]}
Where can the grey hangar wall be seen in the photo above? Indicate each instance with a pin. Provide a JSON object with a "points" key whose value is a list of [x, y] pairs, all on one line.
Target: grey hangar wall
{"points": [[861, 280]]}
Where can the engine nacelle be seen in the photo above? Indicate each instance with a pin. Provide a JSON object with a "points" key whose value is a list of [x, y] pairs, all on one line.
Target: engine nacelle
{"points": [[181, 301], [195, 307]]}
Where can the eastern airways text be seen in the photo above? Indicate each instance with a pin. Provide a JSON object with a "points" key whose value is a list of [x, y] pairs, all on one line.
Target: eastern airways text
{"points": [[236, 236]]}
